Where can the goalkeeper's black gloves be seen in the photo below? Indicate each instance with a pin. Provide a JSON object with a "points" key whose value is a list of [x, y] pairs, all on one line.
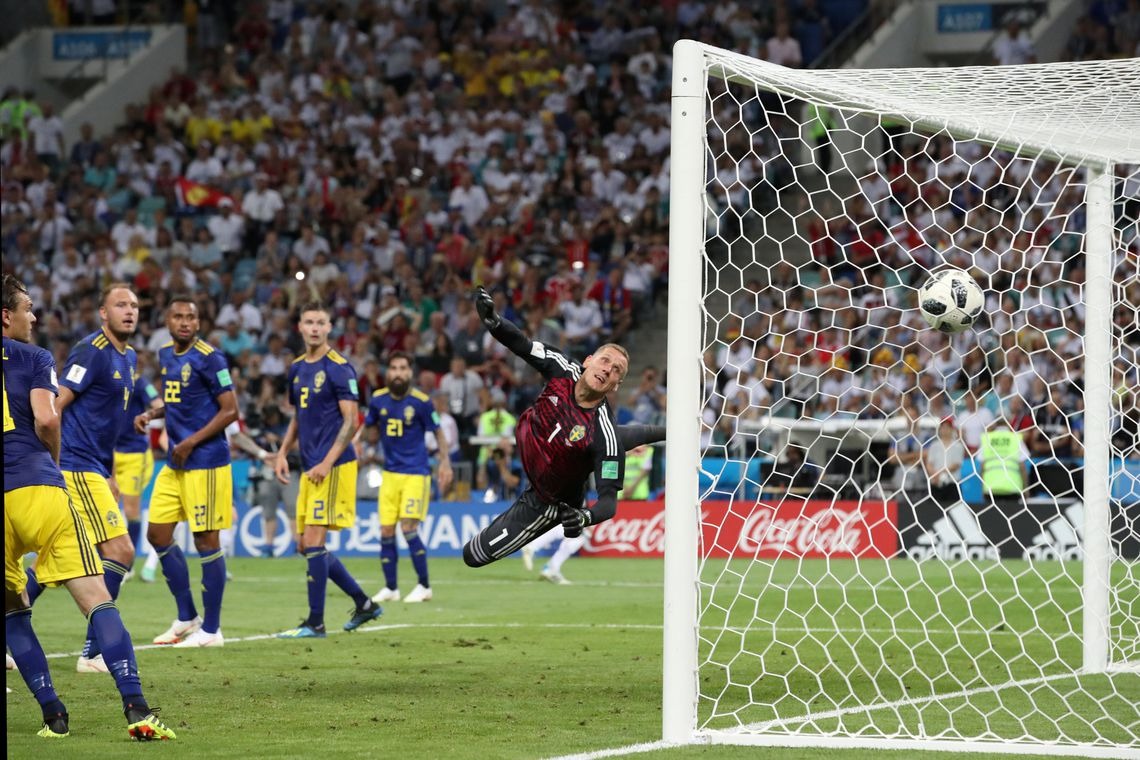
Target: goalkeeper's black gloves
{"points": [[573, 519], [485, 305]]}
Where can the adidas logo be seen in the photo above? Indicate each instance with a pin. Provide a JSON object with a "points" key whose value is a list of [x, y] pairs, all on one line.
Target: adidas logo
{"points": [[117, 375], [1060, 538], [956, 536]]}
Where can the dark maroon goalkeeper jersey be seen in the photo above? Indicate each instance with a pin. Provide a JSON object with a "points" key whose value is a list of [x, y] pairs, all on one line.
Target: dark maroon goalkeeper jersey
{"points": [[559, 442]]}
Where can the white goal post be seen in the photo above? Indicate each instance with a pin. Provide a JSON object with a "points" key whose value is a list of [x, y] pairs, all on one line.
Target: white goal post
{"points": [[831, 647]]}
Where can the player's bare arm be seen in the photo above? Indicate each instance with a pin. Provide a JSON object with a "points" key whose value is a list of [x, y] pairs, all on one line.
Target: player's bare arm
{"points": [[242, 441], [281, 466], [157, 411], [227, 413], [344, 436], [444, 476], [48, 420]]}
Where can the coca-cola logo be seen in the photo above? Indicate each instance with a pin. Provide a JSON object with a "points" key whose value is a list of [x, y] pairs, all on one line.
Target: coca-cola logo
{"points": [[829, 532], [789, 528], [629, 535]]}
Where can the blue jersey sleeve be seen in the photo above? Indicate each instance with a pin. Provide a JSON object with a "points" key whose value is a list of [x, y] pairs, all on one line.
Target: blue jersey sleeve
{"points": [[372, 417], [429, 416], [344, 383], [291, 386], [217, 374], [84, 364], [43, 375]]}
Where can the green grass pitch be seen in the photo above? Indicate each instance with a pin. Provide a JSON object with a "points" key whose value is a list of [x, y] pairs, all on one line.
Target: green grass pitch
{"points": [[502, 665]]}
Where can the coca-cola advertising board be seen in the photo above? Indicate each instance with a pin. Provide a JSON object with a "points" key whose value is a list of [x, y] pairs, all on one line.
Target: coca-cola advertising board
{"points": [[767, 530]]}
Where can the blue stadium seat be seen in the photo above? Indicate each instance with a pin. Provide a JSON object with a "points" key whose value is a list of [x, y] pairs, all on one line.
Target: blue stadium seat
{"points": [[731, 477], [244, 272]]}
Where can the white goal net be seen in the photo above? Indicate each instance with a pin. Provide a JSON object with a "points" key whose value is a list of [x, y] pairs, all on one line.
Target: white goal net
{"points": [[876, 533]]}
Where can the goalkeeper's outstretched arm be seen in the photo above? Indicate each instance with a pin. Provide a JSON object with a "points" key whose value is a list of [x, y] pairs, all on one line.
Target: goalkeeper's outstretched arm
{"points": [[546, 359]]}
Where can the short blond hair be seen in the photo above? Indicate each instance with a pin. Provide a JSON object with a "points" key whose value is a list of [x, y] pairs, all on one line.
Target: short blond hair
{"points": [[620, 349]]}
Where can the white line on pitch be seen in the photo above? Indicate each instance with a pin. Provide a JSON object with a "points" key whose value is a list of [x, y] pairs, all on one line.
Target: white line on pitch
{"points": [[599, 626], [777, 586], [875, 707], [632, 749]]}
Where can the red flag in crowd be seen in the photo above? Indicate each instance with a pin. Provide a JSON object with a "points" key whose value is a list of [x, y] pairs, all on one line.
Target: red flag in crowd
{"points": [[196, 195]]}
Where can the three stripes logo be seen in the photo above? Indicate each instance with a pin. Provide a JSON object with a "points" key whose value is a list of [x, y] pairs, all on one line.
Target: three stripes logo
{"points": [[1061, 537], [956, 536]]}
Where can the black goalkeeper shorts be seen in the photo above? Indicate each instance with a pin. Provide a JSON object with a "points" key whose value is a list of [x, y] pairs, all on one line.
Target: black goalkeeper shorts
{"points": [[524, 521]]}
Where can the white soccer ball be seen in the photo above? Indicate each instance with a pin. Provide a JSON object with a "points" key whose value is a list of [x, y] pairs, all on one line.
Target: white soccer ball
{"points": [[950, 300]]}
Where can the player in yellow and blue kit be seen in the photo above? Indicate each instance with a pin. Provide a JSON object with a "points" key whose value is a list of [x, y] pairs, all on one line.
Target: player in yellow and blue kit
{"points": [[39, 517], [94, 396], [197, 484], [322, 389], [405, 415], [134, 463]]}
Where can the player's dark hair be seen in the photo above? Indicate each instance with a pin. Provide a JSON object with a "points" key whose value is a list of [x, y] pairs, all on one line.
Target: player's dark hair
{"points": [[13, 289], [113, 286], [401, 355], [314, 306], [181, 298]]}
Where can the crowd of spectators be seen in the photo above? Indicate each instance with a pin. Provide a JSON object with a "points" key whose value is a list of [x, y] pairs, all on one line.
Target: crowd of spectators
{"points": [[383, 157], [839, 338]]}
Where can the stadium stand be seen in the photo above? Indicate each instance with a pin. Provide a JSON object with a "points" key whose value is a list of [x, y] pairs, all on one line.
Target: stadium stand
{"points": [[387, 156]]}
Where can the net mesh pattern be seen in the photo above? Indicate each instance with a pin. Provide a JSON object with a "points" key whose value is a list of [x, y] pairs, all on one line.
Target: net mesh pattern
{"points": [[862, 573]]}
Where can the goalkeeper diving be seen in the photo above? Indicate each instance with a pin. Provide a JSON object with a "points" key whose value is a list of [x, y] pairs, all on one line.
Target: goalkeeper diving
{"points": [[566, 435]]}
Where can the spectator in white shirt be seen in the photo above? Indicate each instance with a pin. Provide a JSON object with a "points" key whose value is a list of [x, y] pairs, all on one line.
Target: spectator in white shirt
{"points": [[227, 228], [1013, 46], [655, 136], [582, 318], [471, 198], [204, 169], [46, 131], [239, 309], [51, 228], [261, 204], [973, 421], [784, 49], [309, 245], [128, 227]]}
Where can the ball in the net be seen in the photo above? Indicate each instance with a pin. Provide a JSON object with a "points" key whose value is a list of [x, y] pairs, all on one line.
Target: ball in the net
{"points": [[951, 300]]}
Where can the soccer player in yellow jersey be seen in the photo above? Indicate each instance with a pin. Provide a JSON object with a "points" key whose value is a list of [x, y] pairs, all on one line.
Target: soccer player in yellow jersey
{"points": [[134, 463], [323, 391], [39, 517], [405, 416], [95, 390], [197, 483]]}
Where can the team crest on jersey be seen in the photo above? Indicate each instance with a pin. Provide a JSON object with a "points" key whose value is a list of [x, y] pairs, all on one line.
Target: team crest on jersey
{"points": [[186, 370], [112, 517], [318, 381], [577, 434], [409, 415]]}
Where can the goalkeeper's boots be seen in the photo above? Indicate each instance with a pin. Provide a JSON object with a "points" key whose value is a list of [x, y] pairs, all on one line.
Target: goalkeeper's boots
{"points": [[361, 615], [304, 631], [55, 726], [143, 725]]}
